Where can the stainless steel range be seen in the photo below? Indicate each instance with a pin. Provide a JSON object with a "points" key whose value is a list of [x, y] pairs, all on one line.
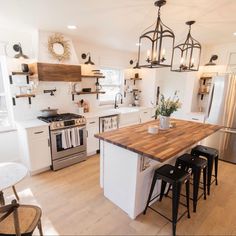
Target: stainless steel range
{"points": [[68, 139]]}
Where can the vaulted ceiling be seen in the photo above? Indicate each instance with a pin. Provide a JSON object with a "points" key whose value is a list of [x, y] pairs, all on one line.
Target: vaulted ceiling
{"points": [[118, 24]]}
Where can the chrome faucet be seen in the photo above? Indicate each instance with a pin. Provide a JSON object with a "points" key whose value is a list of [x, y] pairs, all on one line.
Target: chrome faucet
{"points": [[121, 100]]}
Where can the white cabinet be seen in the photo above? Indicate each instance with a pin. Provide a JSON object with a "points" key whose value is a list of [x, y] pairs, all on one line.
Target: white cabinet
{"points": [[35, 150], [92, 127], [145, 115], [130, 118]]}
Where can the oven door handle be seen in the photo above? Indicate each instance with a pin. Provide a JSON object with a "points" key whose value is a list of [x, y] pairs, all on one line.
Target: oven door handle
{"points": [[56, 133]]}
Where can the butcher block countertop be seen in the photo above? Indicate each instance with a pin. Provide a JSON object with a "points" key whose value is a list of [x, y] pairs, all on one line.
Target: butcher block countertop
{"points": [[163, 145]]}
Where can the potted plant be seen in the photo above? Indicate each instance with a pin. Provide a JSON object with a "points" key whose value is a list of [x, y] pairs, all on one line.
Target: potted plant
{"points": [[165, 108]]}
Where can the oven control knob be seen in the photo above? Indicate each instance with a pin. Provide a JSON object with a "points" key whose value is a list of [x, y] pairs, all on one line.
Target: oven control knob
{"points": [[58, 125]]}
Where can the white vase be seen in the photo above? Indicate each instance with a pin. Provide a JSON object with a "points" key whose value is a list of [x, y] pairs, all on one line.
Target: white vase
{"points": [[164, 122]]}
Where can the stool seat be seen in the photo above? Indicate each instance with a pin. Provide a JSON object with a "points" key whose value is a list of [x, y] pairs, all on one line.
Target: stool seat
{"points": [[171, 174], [201, 150], [193, 161]]}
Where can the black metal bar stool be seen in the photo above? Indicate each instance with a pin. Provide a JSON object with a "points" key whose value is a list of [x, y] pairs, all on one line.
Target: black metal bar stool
{"points": [[176, 177], [196, 165], [212, 155]]}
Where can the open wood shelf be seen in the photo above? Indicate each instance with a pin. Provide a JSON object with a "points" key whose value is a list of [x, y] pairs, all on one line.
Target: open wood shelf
{"points": [[79, 93], [133, 79], [203, 93], [20, 73], [93, 76], [29, 96], [25, 95], [205, 78]]}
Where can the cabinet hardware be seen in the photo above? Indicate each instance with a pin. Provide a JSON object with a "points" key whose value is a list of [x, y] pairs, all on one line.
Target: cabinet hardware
{"points": [[49, 142], [195, 119], [93, 122], [87, 133], [40, 132], [145, 112]]}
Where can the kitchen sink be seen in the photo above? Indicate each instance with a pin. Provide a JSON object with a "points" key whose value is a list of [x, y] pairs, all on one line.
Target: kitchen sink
{"points": [[126, 109]]}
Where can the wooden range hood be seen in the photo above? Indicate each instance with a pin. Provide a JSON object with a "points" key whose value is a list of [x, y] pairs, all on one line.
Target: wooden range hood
{"points": [[56, 72]]}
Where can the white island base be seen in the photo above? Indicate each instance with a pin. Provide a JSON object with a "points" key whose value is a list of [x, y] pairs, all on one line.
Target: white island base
{"points": [[126, 177]]}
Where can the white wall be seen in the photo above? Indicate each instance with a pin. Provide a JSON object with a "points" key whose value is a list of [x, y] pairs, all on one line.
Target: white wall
{"points": [[103, 57], [222, 50], [35, 46]]}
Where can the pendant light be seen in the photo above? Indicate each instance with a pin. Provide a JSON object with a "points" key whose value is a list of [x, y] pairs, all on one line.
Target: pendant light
{"points": [[156, 46], [187, 55]]}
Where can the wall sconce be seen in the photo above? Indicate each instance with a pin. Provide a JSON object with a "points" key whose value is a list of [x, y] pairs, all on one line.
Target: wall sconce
{"points": [[211, 63], [84, 56], [131, 62], [20, 54]]}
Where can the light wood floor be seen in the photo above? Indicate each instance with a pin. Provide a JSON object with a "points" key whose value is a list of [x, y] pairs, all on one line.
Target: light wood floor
{"points": [[73, 203]]}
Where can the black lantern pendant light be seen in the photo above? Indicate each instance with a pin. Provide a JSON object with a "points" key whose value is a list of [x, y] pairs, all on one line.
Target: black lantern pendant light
{"points": [[156, 46], [187, 55]]}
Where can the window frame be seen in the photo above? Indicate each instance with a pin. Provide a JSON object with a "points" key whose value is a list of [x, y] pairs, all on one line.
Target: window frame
{"points": [[121, 86]]}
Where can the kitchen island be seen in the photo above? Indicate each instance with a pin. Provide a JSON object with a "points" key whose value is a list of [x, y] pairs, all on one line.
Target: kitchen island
{"points": [[129, 156]]}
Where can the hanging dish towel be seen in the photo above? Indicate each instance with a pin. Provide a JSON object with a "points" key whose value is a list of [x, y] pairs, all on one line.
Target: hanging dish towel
{"points": [[114, 123], [66, 139], [75, 136]]}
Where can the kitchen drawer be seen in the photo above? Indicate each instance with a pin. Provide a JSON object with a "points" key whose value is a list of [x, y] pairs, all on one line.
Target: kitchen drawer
{"points": [[38, 132], [92, 122], [196, 117]]}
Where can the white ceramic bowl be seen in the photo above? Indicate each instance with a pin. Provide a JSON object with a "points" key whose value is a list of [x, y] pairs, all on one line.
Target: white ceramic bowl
{"points": [[153, 129]]}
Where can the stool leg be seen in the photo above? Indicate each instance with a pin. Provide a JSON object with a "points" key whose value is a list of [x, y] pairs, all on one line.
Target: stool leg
{"points": [[2, 200], [168, 190], [204, 181], [14, 190], [150, 193], [175, 205], [196, 180], [187, 196], [209, 174], [163, 187], [216, 168], [40, 228]]}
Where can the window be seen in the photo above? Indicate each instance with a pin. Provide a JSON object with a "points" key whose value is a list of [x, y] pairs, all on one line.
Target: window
{"points": [[5, 118], [112, 84]]}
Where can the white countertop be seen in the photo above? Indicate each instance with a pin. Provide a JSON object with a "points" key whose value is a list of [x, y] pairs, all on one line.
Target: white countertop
{"points": [[112, 111], [27, 124]]}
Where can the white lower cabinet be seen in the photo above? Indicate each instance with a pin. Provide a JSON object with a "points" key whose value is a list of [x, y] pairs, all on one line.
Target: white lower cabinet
{"points": [[196, 117], [145, 115], [130, 118], [92, 127], [35, 150]]}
